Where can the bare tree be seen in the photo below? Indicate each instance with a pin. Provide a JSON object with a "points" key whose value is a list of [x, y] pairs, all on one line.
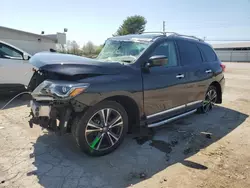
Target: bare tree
{"points": [[89, 48]]}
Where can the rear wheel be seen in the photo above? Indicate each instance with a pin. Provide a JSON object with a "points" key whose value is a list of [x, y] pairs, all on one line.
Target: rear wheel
{"points": [[102, 128], [210, 100]]}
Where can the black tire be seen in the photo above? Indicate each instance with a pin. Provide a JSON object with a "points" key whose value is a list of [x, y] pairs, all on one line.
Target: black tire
{"points": [[209, 102], [82, 126]]}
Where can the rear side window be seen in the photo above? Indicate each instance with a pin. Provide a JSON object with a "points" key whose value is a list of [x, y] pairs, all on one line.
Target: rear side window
{"points": [[189, 52], [208, 53]]}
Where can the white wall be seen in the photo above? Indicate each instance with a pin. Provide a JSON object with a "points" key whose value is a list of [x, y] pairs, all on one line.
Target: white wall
{"points": [[25, 41]]}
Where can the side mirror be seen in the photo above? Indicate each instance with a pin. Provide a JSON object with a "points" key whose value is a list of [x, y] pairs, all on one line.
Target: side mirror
{"points": [[157, 60], [25, 56]]}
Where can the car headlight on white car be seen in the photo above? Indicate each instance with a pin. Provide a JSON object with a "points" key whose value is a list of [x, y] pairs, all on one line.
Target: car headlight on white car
{"points": [[59, 89]]}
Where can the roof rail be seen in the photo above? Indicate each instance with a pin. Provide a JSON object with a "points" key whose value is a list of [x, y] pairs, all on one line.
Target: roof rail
{"points": [[189, 36], [176, 34], [157, 32]]}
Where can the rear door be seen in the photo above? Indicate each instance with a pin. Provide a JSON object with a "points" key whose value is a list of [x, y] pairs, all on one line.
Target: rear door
{"points": [[13, 68], [164, 86], [197, 72]]}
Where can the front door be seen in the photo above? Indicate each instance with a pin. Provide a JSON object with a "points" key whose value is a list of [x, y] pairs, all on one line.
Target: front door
{"points": [[164, 86]]}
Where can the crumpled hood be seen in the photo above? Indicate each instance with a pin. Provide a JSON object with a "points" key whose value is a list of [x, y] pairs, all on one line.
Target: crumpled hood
{"points": [[73, 65]]}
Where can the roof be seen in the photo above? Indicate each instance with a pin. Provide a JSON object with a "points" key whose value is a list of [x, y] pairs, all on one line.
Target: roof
{"points": [[142, 37], [152, 36], [28, 33], [232, 45]]}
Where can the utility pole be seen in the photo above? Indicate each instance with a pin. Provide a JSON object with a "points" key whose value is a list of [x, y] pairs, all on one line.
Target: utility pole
{"points": [[163, 27]]}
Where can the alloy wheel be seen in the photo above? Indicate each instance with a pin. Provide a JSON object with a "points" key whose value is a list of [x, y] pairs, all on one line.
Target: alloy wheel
{"points": [[210, 99], [104, 129]]}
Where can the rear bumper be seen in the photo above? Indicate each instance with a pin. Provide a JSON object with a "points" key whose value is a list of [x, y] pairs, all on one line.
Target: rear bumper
{"points": [[222, 84], [222, 87]]}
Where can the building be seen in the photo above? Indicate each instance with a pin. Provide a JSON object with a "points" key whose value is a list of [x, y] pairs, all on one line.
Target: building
{"points": [[233, 52], [30, 42]]}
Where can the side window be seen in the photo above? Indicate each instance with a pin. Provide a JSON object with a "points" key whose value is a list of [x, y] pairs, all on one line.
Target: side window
{"points": [[167, 49], [208, 53], [9, 52], [189, 52]]}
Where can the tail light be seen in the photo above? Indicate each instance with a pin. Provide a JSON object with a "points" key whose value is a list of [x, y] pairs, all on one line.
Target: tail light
{"points": [[223, 67]]}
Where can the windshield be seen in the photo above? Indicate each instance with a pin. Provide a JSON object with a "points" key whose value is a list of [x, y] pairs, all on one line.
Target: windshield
{"points": [[122, 51]]}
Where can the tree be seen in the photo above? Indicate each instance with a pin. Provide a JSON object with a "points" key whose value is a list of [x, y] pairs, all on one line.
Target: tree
{"points": [[89, 48], [73, 48], [132, 25], [98, 49]]}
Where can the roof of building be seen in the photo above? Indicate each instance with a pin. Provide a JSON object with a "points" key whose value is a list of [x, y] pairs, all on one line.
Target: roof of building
{"points": [[49, 37], [232, 45]]}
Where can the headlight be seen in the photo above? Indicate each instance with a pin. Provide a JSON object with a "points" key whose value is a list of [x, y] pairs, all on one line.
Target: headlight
{"points": [[60, 89]]}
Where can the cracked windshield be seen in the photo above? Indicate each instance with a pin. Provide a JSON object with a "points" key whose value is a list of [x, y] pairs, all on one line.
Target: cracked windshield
{"points": [[122, 51]]}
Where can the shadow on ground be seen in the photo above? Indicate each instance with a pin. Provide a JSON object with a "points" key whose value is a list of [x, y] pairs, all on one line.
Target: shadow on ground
{"points": [[60, 163]]}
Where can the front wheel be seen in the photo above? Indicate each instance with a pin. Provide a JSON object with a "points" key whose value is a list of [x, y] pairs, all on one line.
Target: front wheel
{"points": [[210, 100], [102, 128]]}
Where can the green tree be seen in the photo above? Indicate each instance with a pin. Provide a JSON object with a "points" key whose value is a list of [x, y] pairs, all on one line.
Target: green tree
{"points": [[98, 49], [132, 25]]}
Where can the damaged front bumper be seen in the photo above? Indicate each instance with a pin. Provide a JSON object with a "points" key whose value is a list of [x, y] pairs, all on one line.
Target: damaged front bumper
{"points": [[56, 116], [53, 102], [47, 115], [40, 110]]}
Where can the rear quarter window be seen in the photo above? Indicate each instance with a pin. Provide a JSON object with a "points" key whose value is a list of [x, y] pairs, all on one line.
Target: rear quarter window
{"points": [[208, 53], [189, 52]]}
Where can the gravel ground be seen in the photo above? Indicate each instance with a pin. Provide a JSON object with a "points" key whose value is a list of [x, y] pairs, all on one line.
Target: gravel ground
{"points": [[208, 150]]}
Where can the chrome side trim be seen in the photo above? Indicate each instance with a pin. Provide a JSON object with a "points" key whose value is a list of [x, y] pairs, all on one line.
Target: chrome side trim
{"points": [[193, 103], [171, 119], [173, 109], [166, 111]]}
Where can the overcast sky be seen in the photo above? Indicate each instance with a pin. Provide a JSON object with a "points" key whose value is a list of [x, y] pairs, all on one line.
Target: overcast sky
{"points": [[97, 20]]}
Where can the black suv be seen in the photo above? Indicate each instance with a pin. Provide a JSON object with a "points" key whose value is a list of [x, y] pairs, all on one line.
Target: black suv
{"points": [[143, 80]]}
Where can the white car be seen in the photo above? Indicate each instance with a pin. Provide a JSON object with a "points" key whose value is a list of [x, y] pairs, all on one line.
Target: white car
{"points": [[15, 69]]}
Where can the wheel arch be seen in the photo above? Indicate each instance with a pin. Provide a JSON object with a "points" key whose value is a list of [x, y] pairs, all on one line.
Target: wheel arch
{"points": [[131, 107], [219, 91]]}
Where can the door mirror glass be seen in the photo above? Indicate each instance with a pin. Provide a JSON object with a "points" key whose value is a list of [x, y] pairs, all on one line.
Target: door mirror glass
{"points": [[157, 60], [25, 56]]}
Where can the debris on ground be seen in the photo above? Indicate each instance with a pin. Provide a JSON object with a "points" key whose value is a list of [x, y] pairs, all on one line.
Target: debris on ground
{"points": [[208, 135], [142, 175]]}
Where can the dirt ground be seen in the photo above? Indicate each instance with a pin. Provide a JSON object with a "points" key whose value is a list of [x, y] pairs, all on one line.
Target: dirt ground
{"points": [[208, 150]]}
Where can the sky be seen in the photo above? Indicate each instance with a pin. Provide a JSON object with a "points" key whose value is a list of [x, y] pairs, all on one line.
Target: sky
{"points": [[97, 20]]}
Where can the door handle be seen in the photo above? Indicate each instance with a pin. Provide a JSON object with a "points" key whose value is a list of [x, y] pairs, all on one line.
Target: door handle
{"points": [[208, 71], [180, 76]]}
